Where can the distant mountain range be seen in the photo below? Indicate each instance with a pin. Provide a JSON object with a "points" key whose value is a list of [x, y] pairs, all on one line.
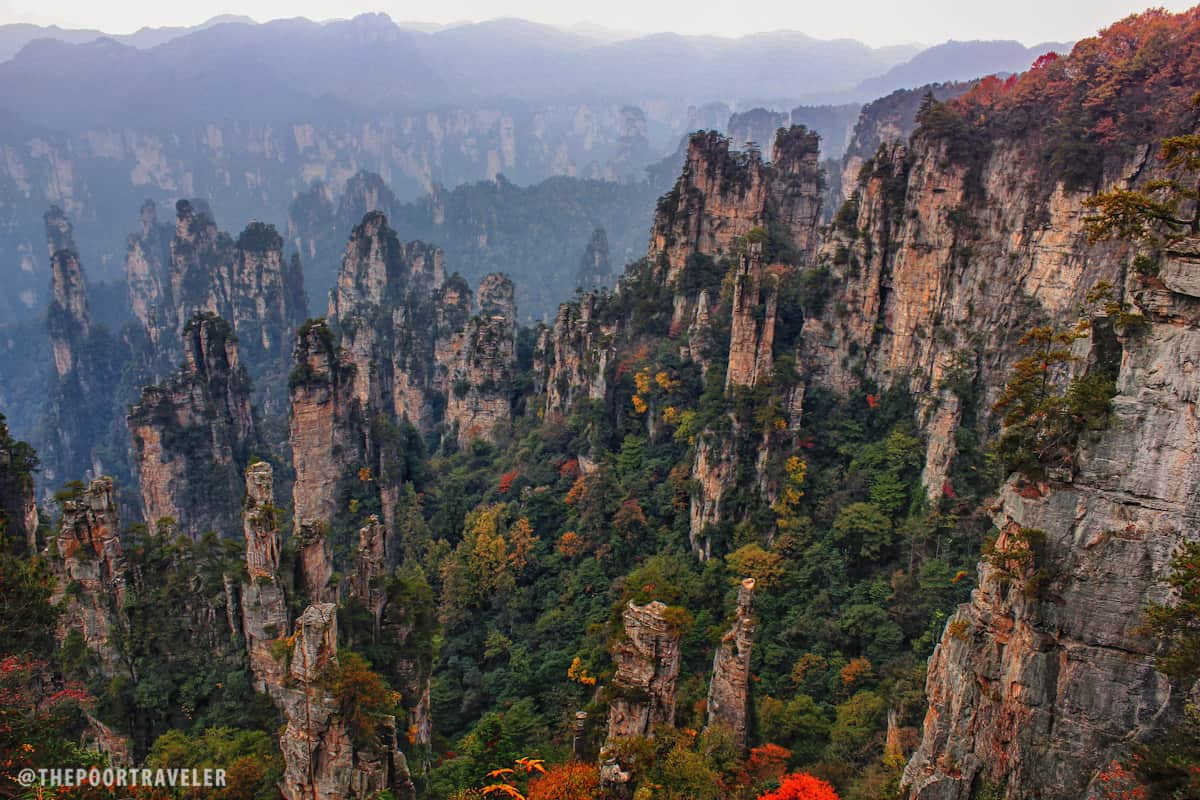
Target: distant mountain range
{"points": [[233, 68]]}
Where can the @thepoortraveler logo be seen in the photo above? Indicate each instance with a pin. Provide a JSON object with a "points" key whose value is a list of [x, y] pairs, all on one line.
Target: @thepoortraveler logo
{"points": [[52, 777]]}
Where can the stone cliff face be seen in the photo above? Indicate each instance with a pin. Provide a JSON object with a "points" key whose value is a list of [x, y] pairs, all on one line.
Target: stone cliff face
{"points": [[200, 269], [723, 194], [572, 356], [752, 329], [1039, 686], [480, 373], [595, 268], [729, 690], [324, 757], [739, 212], [68, 318], [647, 661], [328, 436], [263, 599], [86, 558], [192, 435]]}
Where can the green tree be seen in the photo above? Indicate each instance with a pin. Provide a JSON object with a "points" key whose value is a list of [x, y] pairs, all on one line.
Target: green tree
{"points": [[1161, 212]]}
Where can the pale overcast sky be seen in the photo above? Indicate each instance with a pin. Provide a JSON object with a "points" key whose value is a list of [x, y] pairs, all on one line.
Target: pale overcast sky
{"points": [[877, 22]]}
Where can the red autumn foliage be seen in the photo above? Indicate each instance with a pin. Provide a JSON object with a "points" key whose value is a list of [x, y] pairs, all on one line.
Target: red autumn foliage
{"points": [[1119, 783], [872, 401], [569, 468], [1132, 83], [506, 481], [801, 786], [570, 781], [767, 762]]}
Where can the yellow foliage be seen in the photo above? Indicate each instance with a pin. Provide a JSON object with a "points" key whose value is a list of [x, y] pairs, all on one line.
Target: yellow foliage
{"points": [[578, 673], [642, 381], [670, 415], [751, 561], [639, 405], [665, 382]]}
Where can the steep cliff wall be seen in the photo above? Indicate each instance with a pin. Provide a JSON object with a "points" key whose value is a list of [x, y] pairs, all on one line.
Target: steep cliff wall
{"points": [[729, 689], [325, 757], [647, 660], [192, 435], [86, 557], [480, 374], [76, 436], [263, 599]]}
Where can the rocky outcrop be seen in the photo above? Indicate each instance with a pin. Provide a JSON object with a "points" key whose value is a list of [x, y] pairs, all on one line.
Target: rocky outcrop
{"points": [[370, 565], [729, 689], [324, 757], [18, 506], [78, 438], [200, 269], [647, 659], [481, 373], [888, 121], [1046, 676], [595, 268], [326, 423], [192, 435], [87, 560], [752, 329], [263, 600], [713, 466], [723, 195], [68, 318], [573, 356]]}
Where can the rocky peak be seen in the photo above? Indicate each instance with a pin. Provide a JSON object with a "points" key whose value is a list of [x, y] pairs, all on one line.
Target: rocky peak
{"points": [[595, 269], [192, 434], [729, 690], [322, 759], [59, 234], [263, 601], [378, 270], [201, 269], [570, 361], [647, 658], [366, 192], [724, 194], [86, 556], [481, 371], [326, 423], [68, 319]]}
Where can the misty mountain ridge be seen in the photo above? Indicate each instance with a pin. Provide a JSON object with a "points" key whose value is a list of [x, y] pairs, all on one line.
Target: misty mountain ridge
{"points": [[302, 69]]}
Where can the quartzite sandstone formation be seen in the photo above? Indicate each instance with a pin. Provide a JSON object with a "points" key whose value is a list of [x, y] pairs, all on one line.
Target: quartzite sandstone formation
{"points": [[729, 690], [192, 434], [199, 269], [322, 759], [86, 557], [647, 661], [263, 601], [481, 373]]}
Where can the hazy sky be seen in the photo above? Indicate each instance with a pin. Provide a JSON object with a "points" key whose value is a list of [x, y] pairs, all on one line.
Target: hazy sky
{"points": [[876, 22]]}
